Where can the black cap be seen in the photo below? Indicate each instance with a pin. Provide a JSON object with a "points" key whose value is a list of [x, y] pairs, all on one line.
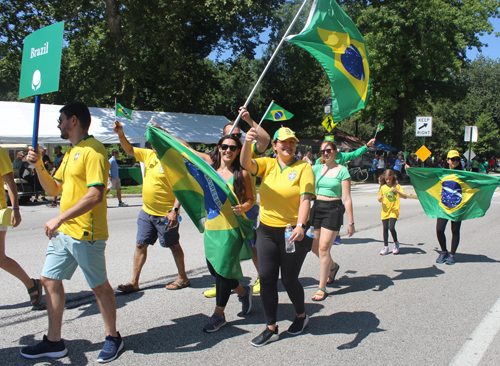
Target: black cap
{"points": [[57, 147]]}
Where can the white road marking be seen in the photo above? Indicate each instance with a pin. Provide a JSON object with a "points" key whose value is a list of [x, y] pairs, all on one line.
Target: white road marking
{"points": [[473, 350]]}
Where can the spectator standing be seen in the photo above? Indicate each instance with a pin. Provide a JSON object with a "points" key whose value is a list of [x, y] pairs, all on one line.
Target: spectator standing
{"points": [[57, 163], [114, 178]]}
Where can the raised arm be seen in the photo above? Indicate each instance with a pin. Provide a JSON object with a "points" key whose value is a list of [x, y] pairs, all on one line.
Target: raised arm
{"points": [[246, 153], [263, 137], [343, 157], [126, 145]]}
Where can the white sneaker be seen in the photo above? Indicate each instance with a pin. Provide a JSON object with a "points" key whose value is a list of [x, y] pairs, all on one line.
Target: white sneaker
{"points": [[395, 248], [384, 251]]}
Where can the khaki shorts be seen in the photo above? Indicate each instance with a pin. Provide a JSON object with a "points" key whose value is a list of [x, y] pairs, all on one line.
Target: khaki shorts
{"points": [[114, 183]]}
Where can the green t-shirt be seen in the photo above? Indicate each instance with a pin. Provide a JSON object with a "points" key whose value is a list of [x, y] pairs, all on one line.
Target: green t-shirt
{"points": [[330, 187]]}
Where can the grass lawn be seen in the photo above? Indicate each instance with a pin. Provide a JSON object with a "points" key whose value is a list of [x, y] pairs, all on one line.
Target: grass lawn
{"points": [[128, 190]]}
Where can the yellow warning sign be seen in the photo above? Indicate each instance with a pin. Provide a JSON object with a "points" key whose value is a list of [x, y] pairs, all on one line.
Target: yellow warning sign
{"points": [[328, 123], [423, 153]]}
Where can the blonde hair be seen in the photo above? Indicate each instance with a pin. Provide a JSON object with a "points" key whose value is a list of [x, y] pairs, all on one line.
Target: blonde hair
{"points": [[385, 174]]}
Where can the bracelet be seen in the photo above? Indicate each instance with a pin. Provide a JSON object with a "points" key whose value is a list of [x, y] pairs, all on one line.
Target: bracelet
{"points": [[15, 208]]}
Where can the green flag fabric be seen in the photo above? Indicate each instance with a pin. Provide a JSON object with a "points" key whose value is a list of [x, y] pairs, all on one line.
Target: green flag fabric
{"points": [[454, 195], [207, 199], [122, 111], [276, 113], [333, 39], [380, 128]]}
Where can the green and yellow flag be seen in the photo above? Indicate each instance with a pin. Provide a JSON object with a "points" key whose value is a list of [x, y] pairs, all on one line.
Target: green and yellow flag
{"points": [[276, 113], [333, 39], [454, 195], [380, 128], [207, 199], [122, 111]]}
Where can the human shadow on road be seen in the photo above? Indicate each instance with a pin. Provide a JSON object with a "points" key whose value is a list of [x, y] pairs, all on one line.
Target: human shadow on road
{"points": [[375, 282], [410, 274], [350, 241], [360, 323]]}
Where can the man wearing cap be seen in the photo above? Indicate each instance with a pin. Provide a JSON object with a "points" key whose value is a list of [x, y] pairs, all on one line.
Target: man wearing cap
{"points": [[114, 178], [57, 163]]}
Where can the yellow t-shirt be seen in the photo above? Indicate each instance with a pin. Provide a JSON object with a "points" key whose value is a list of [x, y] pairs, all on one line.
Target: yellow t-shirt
{"points": [[157, 194], [83, 166], [281, 189], [390, 202], [5, 168]]}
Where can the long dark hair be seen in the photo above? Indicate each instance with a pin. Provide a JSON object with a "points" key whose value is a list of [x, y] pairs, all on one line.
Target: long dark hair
{"points": [[238, 181]]}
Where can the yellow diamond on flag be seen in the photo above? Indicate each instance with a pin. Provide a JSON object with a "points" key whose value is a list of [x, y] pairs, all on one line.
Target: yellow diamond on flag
{"points": [[452, 193], [423, 153], [328, 123]]}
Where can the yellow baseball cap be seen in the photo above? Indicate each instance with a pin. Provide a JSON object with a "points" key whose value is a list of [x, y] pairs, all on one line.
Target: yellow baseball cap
{"points": [[453, 154], [329, 138], [284, 133]]}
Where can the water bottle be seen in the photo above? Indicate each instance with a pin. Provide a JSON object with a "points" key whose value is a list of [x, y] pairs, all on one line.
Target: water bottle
{"points": [[57, 242], [164, 221], [289, 245], [310, 232]]}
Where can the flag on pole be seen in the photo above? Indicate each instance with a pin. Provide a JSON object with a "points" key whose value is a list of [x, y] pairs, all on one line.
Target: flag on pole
{"points": [[380, 128], [276, 113], [454, 195], [207, 199], [122, 111], [333, 39]]}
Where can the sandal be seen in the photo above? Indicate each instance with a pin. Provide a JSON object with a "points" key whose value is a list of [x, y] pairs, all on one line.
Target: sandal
{"points": [[177, 285], [37, 286], [333, 273], [128, 288], [322, 296]]}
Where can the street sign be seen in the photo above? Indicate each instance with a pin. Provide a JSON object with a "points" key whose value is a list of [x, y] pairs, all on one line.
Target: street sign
{"points": [[423, 153], [470, 134], [328, 123], [472, 155], [41, 61], [423, 126]]}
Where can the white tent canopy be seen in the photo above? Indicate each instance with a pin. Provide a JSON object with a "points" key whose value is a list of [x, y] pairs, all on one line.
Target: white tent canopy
{"points": [[17, 125]]}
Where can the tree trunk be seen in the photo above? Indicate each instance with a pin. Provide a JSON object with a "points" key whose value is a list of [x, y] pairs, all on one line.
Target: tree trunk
{"points": [[113, 21]]}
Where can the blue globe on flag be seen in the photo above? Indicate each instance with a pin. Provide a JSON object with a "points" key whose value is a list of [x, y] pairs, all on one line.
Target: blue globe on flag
{"points": [[278, 115], [353, 62], [451, 194]]}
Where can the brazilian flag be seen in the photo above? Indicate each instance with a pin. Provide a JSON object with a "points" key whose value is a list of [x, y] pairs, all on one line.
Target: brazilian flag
{"points": [[276, 113], [333, 39], [207, 198], [454, 195], [122, 111]]}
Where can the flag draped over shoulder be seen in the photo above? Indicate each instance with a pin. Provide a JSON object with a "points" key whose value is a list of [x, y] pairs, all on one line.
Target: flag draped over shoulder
{"points": [[333, 39], [454, 195], [276, 113], [206, 197], [122, 111]]}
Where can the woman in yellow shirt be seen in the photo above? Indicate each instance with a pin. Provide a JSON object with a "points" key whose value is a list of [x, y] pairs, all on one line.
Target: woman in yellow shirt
{"points": [[285, 194]]}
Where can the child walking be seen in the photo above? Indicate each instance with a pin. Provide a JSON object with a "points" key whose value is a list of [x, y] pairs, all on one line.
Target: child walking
{"points": [[388, 195]]}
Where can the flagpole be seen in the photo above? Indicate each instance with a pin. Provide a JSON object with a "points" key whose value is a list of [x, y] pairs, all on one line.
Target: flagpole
{"points": [[265, 113], [268, 64], [376, 131], [115, 110]]}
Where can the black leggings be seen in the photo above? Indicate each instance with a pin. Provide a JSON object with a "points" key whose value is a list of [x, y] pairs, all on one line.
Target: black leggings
{"points": [[272, 256], [455, 234], [389, 224], [223, 287]]}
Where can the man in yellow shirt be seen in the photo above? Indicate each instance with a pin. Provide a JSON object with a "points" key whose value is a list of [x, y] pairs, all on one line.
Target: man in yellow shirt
{"points": [[81, 227], [159, 202]]}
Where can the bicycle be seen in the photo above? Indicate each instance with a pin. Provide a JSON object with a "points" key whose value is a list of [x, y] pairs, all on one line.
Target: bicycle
{"points": [[358, 173]]}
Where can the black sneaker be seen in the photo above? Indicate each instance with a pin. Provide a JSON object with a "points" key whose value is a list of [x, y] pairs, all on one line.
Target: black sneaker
{"points": [[216, 322], [44, 349], [246, 300], [112, 346], [267, 336], [298, 325]]}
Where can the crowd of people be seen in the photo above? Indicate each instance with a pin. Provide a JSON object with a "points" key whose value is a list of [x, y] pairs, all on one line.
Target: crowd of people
{"points": [[306, 195]]}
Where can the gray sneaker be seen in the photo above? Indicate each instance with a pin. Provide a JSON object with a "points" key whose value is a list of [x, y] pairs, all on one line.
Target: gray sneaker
{"points": [[246, 300], [216, 322], [442, 257], [450, 260]]}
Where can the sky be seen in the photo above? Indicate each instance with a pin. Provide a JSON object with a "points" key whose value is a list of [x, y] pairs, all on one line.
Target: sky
{"points": [[493, 49]]}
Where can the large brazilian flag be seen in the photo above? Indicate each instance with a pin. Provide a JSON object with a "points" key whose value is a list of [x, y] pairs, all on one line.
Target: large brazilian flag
{"points": [[333, 39], [454, 195], [206, 197]]}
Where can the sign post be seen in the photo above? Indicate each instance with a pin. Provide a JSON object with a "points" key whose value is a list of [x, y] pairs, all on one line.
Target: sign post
{"points": [[470, 136], [40, 69], [423, 128]]}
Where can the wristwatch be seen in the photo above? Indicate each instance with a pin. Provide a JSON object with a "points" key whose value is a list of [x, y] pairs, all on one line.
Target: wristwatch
{"points": [[351, 223], [300, 225], [176, 210]]}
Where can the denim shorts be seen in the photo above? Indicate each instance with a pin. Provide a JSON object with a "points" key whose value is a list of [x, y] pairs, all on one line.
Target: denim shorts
{"points": [[149, 229], [328, 214], [89, 255]]}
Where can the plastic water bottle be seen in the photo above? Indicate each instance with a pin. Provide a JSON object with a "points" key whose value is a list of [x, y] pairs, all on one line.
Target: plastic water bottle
{"points": [[289, 245], [164, 221], [57, 242], [310, 232]]}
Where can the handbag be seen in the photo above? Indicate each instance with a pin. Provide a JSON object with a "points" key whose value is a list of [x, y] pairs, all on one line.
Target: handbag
{"points": [[5, 215]]}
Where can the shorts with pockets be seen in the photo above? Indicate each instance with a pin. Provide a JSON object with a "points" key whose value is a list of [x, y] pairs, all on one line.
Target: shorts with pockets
{"points": [[328, 214], [149, 229]]}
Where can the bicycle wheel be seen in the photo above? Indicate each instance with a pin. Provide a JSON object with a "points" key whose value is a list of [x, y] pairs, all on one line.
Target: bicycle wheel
{"points": [[362, 175], [352, 173]]}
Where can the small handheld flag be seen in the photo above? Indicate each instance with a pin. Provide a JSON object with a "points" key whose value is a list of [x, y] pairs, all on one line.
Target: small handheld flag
{"points": [[276, 113], [122, 111], [379, 128]]}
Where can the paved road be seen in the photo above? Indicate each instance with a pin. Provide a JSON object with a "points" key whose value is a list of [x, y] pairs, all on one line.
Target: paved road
{"points": [[394, 310]]}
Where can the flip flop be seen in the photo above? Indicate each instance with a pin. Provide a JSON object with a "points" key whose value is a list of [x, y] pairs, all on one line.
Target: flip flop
{"points": [[177, 285], [128, 288], [333, 273], [324, 296], [37, 286]]}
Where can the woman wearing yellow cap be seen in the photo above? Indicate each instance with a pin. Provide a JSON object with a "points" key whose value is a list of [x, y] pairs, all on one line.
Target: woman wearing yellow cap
{"points": [[453, 160], [285, 194]]}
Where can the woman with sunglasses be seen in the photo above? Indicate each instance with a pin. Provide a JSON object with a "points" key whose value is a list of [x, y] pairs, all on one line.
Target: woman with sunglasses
{"points": [[453, 160], [285, 194], [333, 198]]}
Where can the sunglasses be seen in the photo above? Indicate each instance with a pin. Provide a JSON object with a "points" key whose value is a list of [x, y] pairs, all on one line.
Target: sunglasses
{"points": [[455, 159], [237, 135], [326, 151], [224, 147]]}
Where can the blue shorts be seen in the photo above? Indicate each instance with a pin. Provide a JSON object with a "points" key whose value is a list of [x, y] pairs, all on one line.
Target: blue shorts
{"points": [[89, 255], [148, 230], [253, 214]]}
